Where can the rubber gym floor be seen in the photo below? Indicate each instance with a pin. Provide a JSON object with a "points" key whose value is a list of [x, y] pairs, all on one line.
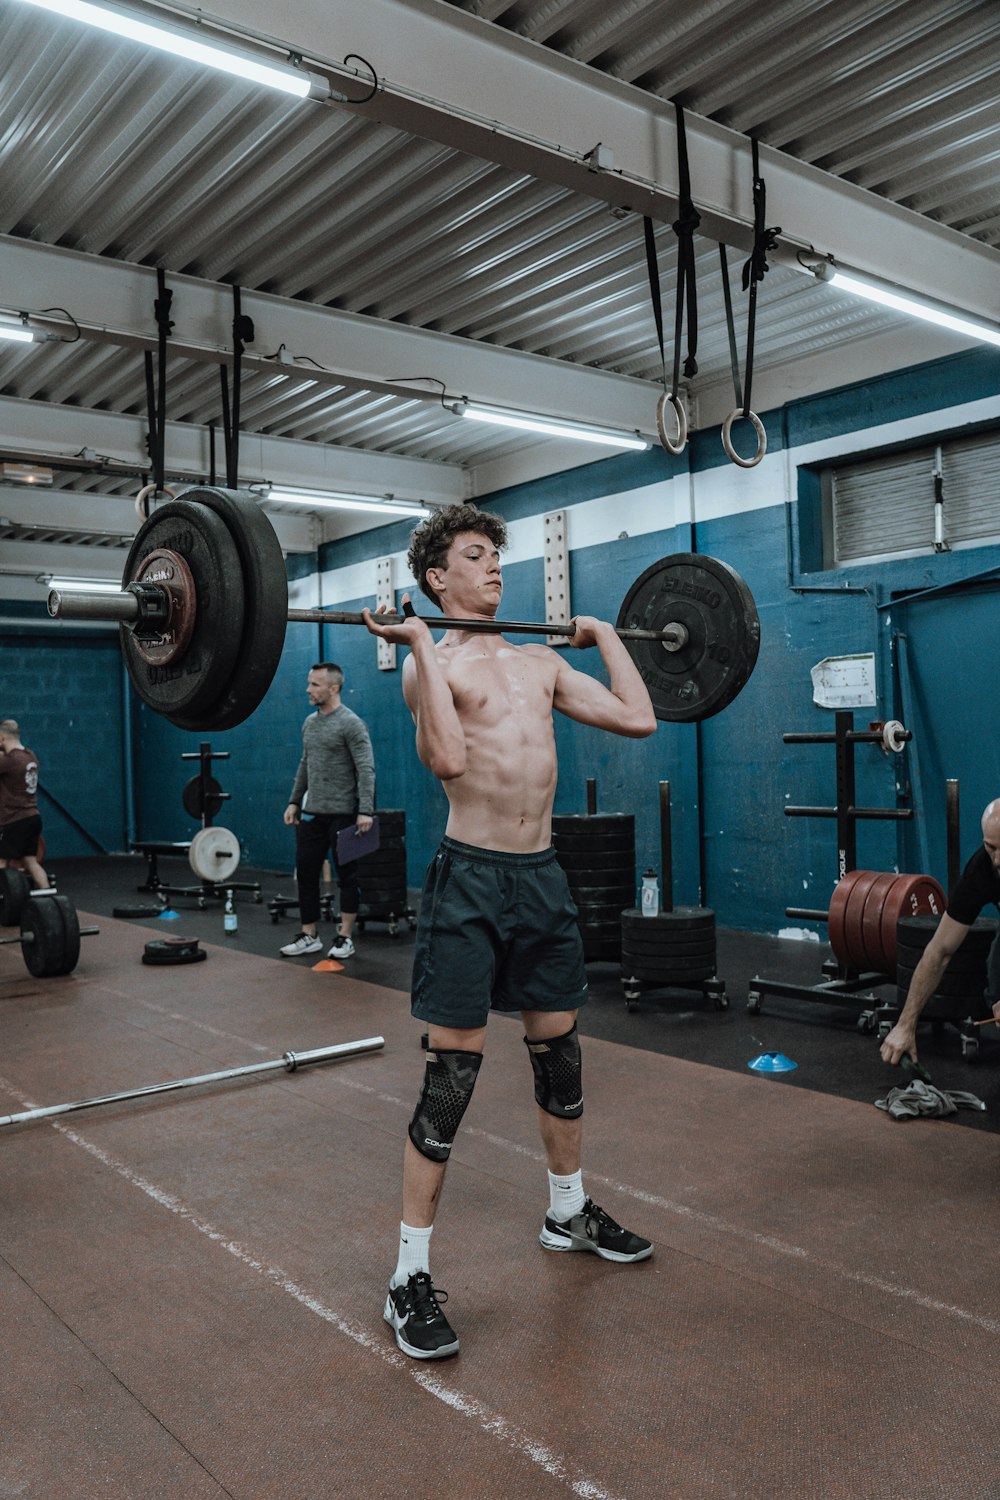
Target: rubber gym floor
{"points": [[193, 1282]]}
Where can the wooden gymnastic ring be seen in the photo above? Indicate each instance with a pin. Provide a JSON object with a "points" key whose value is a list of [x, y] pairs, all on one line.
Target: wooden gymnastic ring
{"points": [[673, 445], [147, 491], [727, 442]]}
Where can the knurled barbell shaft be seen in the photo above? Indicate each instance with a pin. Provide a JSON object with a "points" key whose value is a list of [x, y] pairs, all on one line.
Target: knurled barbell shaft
{"points": [[124, 607], [29, 937]]}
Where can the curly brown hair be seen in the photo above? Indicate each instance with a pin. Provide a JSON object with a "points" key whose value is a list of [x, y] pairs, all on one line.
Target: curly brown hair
{"points": [[430, 543]]}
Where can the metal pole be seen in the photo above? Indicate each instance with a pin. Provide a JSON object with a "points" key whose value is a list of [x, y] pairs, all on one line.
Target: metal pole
{"points": [[954, 834], [666, 850], [290, 1061]]}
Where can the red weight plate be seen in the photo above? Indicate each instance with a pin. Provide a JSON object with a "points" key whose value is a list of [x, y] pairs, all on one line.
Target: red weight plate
{"points": [[853, 913], [871, 922], [911, 896], [838, 909]]}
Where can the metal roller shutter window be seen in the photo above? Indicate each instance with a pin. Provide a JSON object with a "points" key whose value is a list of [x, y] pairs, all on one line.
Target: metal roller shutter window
{"points": [[885, 507]]}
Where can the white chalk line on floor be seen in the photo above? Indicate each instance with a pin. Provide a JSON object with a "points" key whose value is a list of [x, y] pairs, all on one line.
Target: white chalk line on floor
{"points": [[721, 1226], [492, 1423]]}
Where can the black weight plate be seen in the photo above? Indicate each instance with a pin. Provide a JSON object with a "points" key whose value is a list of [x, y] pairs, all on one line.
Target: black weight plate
{"points": [[163, 947], [168, 960], [964, 961], [701, 948], [713, 603], [15, 888], [54, 945], [201, 673], [592, 824], [136, 911], [668, 939], [623, 848], [393, 820], [665, 972], [581, 867], [196, 803], [262, 620], [969, 985], [380, 895], [71, 933], [916, 932], [680, 919], [605, 916], [611, 900]]}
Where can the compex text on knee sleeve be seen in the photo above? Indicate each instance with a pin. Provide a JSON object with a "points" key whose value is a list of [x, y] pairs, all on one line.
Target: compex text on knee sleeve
{"points": [[558, 1074], [449, 1079]]}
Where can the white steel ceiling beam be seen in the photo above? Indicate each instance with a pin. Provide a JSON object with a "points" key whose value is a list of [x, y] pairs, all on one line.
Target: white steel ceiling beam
{"points": [[112, 302], [454, 78], [40, 428]]}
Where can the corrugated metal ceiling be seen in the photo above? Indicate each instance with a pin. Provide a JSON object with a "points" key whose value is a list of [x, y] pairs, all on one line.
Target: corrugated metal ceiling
{"points": [[132, 156]]}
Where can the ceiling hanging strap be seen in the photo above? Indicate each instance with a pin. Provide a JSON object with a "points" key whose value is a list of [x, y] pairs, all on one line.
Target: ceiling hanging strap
{"points": [[684, 226], [754, 270], [243, 334], [670, 397], [156, 396]]}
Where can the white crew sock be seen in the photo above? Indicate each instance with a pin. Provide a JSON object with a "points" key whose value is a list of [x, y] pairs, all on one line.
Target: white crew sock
{"points": [[566, 1195], [414, 1252]]}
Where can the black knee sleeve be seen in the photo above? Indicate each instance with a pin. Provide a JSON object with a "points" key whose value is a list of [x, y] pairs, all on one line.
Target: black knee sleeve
{"points": [[558, 1074], [449, 1079]]}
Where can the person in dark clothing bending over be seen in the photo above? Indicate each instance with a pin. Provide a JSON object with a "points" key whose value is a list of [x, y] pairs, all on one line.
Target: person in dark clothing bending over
{"points": [[497, 927], [978, 886], [20, 822], [337, 771]]}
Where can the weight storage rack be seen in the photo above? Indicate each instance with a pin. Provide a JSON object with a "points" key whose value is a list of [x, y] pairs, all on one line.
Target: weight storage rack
{"points": [[843, 983], [202, 797], [676, 949]]}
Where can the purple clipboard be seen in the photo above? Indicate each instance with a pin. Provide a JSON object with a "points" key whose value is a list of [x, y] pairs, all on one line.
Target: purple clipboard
{"points": [[351, 844]]}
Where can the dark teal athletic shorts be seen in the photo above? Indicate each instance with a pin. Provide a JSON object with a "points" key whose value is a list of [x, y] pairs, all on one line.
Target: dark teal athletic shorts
{"points": [[496, 931]]}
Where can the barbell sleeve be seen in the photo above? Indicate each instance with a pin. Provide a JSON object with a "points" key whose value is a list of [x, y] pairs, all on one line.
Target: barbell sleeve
{"points": [[290, 1061]]}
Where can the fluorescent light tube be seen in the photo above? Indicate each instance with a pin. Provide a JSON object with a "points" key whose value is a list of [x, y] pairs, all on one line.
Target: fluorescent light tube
{"points": [[916, 307], [81, 585], [186, 44], [333, 501], [16, 335], [552, 427]]}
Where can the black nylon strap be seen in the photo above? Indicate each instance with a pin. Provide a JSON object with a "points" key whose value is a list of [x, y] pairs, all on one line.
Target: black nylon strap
{"points": [[653, 272], [734, 359], [756, 267], [156, 390], [684, 226]]}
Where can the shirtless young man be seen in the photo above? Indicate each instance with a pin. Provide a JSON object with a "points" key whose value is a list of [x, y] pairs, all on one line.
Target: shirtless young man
{"points": [[497, 926]]}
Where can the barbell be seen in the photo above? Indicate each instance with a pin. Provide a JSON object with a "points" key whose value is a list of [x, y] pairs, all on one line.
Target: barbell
{"points": [[203, 610], [290, 1061]]}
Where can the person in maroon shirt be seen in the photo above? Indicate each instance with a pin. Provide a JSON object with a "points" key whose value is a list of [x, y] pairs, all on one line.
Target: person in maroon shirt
{"points": [[20, 823]]}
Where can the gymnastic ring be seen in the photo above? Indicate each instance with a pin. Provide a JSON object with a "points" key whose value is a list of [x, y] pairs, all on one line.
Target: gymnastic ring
{"points": [[673, 445], [148, 490], [758, 426]]}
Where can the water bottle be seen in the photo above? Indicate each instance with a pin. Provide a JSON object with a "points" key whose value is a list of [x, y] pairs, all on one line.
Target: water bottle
{"points": [[650, 897], [230, 921]]}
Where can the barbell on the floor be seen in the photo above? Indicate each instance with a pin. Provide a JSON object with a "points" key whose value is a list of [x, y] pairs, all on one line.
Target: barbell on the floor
{"points": [[203, 611], [290, 1061], [50, 935]]}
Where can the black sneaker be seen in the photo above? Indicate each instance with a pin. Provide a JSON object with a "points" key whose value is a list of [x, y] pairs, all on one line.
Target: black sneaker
{"points": [[593, 1229], [421, 1328]]}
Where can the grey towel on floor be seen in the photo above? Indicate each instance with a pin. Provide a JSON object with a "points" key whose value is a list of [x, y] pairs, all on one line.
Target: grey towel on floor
{"points": [[924, 1099]]}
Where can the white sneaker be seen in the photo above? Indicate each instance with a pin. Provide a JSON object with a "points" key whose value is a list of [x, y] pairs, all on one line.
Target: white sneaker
{"points": [[305, 943], [342, 947]]}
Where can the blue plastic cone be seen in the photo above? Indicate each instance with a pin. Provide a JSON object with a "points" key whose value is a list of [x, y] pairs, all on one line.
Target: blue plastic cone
{"points": [[772, 1062], [169, 916]]}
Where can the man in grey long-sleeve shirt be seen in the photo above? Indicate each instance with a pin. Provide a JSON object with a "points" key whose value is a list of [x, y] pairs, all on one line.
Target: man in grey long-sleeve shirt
{"points": [[337, 770]]}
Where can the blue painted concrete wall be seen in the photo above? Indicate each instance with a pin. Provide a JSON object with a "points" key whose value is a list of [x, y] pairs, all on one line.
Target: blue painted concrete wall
{"points": [[732, 775]]}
